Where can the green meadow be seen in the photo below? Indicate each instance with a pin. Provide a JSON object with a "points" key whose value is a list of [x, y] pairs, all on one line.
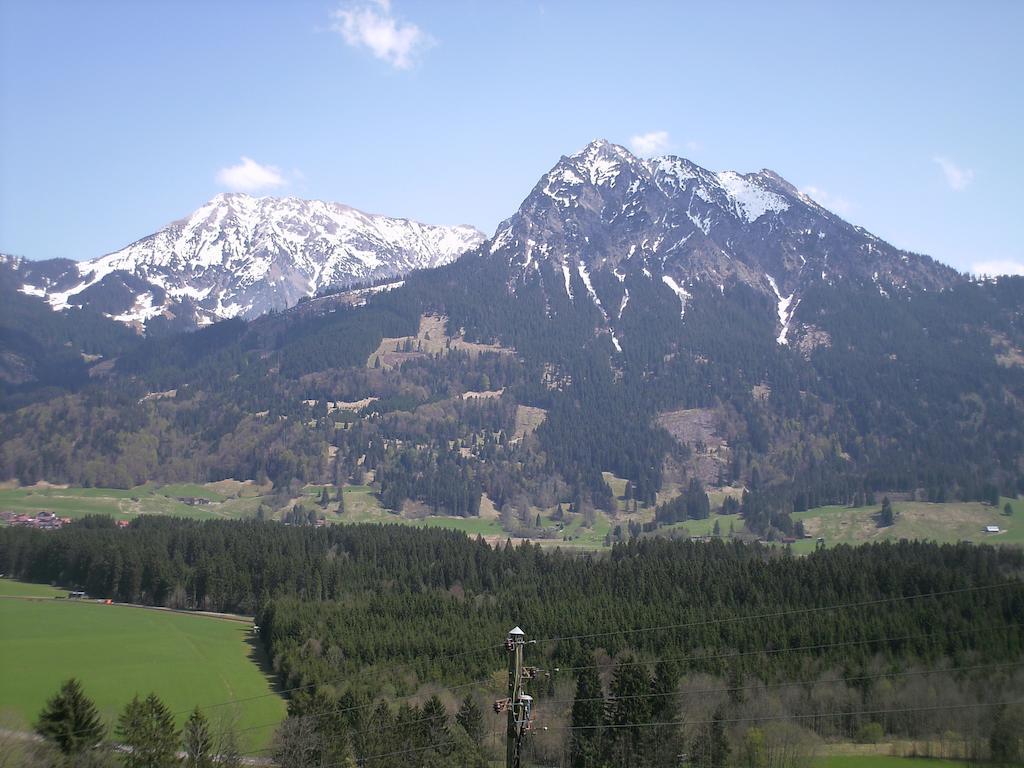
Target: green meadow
{"points": [[120, 651], [949, 522], [885, 761], [225, 500]]}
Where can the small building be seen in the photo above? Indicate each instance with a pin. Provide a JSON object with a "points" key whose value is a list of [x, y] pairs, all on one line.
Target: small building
{"points": [[76, 595], [992, 529]]}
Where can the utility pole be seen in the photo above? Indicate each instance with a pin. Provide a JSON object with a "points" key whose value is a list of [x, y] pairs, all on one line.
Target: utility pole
{"points": [[518, 705], [514, 644]]}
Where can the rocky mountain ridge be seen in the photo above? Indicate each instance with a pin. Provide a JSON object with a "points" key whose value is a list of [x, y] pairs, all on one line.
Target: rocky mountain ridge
{"points": [[242, 256]]}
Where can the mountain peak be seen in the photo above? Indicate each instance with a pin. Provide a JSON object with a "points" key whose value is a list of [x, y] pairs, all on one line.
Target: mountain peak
{"points": [[240, 256]]}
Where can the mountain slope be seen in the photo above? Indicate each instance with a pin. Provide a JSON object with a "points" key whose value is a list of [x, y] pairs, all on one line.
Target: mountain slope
{"points": [[240, 256], [670, 221], [732, 333]]}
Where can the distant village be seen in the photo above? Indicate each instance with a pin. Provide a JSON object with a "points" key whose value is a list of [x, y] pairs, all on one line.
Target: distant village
{"points": [[43, 519]]}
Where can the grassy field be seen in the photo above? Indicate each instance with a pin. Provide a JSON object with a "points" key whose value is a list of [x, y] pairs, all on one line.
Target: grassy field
{"points": [[12, 588], [885, 761], [944, 523], [227, 499], [119, 651]]}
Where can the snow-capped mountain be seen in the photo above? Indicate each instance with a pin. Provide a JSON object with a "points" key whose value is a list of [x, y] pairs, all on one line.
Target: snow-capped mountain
{"points": [[668, 220], [241, 256]]}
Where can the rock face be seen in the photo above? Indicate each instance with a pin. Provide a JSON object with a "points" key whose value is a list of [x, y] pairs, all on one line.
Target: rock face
{"points": [[241, 256], [666, 219]]}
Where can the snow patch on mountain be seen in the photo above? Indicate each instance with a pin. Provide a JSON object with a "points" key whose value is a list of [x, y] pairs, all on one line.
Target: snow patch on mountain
{"points": [[585, 277], [568, 280], [679, 291], [786, 309], [751, 201]]}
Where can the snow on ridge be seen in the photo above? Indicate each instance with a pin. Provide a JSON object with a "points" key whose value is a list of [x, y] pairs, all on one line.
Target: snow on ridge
{"points": [[786, 310], [233, 243], [750, 201], [679, 291], [624, 302]]}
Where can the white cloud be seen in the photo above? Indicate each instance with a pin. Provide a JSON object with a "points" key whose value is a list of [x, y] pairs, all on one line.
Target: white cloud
{"points": [[997, 267], [958, 178], [250, 176], [648, 144], [372, 25], [835, 203]]}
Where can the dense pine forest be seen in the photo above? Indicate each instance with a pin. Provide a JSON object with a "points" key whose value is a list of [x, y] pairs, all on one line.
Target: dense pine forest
{"points": [[724, 645]]}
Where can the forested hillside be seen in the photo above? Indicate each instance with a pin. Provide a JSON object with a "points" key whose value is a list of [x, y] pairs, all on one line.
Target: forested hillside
{"points": [[606, 328], [354, 616]]}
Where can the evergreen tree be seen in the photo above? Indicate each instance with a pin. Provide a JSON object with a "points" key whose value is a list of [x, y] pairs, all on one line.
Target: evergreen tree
{"points": [[629, 708], [435, 724], [886, 517], [587, 718], [70, 720], [1008, 509], [471, 719], [665, 741], [197, 742], [147, 729]]}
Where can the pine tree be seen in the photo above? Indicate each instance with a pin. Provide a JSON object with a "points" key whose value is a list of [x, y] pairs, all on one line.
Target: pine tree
{"points": [[70, 720], [587, 718], [628, 710], [197, 742], [147, 728], [886, 517], [665, 741], [471, 719]]}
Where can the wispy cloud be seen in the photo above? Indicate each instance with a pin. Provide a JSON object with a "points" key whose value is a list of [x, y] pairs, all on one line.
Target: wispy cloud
{"points": [[835, 203], [250, 176], [998, 267], [647, 144], [372, 25], [957, 177]]}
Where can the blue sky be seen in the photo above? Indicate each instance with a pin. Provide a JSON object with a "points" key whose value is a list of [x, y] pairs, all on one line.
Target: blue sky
{"points": [[120, 116]]}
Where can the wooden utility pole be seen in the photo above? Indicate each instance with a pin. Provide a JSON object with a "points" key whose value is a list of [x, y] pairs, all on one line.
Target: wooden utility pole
{"points": [[515, 642]]}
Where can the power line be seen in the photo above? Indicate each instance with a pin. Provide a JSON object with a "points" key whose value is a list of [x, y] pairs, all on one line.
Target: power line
{"points": [[328, 681], [777, 614], [369, 705], [819, 646], [705, 691], [754, 719], [792, 684], [763, 718]]}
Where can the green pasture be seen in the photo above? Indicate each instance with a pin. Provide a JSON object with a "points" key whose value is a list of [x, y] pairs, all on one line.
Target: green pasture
{"points": [[12, 588], [949, 522], [119, 651], [885, 761], [148, 499]]}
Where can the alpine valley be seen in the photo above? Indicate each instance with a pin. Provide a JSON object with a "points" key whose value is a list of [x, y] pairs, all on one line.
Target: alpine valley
{"points": [[645, 320]]}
